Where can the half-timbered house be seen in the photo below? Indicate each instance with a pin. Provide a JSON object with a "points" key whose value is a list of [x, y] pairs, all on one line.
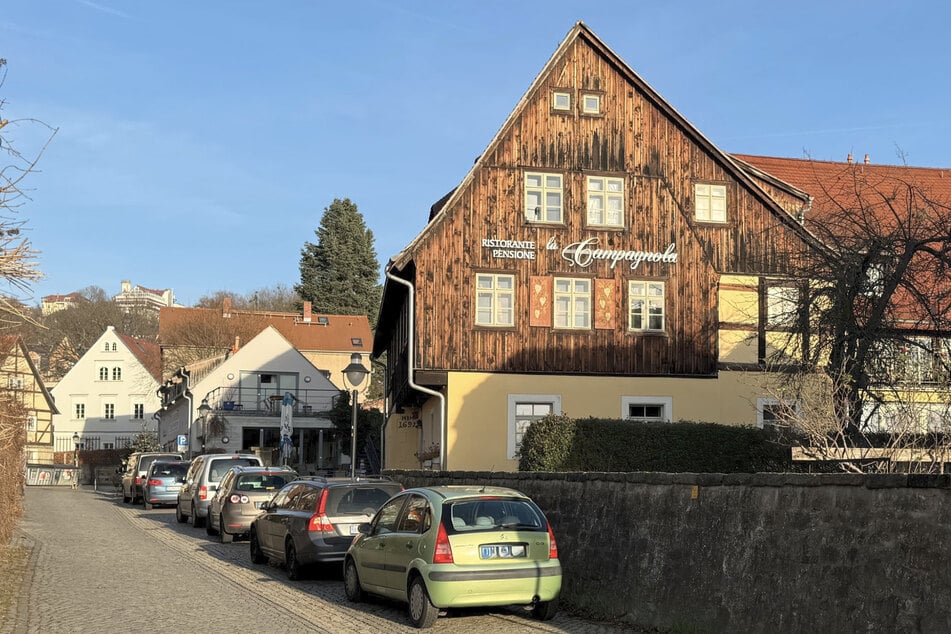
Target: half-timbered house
{"points": [[602, 257]]}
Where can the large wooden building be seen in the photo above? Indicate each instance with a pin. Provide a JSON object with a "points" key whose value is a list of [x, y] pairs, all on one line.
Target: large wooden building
{"points": [[602, 257]]}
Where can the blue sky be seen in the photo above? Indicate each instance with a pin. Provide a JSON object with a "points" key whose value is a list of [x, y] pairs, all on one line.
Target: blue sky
{"points": [[199, 142]]}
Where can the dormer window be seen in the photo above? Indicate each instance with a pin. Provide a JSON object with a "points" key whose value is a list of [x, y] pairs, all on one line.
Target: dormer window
{"points": [[356, 341]]}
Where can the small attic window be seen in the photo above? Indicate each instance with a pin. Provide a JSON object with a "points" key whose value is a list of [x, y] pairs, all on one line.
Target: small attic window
{"points": [[591, 104], [561, 101], [323, 321], [356, 341]]}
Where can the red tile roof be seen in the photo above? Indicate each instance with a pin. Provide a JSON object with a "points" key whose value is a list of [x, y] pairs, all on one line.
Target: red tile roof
{"points": [[149, 354], [324, 333]]}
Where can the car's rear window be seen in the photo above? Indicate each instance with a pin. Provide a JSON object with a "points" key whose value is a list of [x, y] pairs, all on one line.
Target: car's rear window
{"points": [[260, 481], [162, 470], [493, 513], [360, 500], [220, 467], [146, 461]]}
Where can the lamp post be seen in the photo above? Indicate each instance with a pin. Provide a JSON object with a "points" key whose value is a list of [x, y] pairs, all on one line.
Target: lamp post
{"points": [[203, 410], [76, 440], [355, 372]]}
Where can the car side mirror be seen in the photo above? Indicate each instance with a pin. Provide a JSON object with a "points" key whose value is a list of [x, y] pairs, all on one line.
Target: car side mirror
{"points": [[365, 528]]}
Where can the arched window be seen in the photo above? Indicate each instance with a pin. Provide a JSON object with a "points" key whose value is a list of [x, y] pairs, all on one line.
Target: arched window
{"points": [[113, 347], [116, 374], [103, 374], [107, 346]]}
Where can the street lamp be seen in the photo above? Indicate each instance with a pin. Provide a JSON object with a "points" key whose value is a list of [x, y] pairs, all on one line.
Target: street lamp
{"points": [[203, 410], [355, 372], [76, 460]]}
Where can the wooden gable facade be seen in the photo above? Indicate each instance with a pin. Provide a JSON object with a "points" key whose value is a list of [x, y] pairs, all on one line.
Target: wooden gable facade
{"points": [[635, 138]]}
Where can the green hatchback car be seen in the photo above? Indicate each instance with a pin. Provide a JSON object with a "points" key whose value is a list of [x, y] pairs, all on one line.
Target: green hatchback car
{"points": [[454, 547]]}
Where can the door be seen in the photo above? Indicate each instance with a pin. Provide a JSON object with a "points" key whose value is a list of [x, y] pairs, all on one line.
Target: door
{"points": [[371, 550], [403, 545]]}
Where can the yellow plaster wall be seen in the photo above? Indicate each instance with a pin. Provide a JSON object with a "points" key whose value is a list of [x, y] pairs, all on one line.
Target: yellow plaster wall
{"points": [[477, 406]]}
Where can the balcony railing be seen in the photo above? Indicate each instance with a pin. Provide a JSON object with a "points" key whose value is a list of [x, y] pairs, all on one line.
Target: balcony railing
{"points": [[268, 401]]}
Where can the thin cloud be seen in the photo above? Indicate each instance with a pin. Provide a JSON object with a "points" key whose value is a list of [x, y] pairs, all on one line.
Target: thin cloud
{"points": [[104, 9]]}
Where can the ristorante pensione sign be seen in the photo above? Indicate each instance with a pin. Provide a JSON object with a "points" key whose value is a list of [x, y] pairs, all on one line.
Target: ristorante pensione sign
{"points": [[581, 254]]}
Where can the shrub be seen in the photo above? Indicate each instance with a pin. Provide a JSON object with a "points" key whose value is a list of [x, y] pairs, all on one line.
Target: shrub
{"points": [[558, 443]]}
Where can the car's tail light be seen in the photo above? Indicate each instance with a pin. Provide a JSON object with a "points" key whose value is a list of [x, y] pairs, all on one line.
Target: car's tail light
{"points": [[442, 554], [202, 493], [138, 479], [239, 499], [154, 483], [552, 545], [318, 521]]}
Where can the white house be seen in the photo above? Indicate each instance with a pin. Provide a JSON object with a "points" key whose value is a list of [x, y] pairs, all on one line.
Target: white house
{"points": [[109, 395], [244, 392]]}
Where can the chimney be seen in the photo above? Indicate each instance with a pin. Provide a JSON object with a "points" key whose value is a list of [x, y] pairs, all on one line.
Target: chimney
{"points": [[226, 308], [237, 344], [867, 160], [849, 159], [307, 316]]}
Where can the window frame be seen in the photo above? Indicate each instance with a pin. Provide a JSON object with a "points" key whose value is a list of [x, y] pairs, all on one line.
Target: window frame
{"points": [[710, 197], [495, 294], [561, 92], [666, 402], [109, 411], [646, 315], [138, 411], [776, 292], [605, 194], [572, 296], [514, 400], [764, 403], [543, 190], [79, 411], [599, 97]]}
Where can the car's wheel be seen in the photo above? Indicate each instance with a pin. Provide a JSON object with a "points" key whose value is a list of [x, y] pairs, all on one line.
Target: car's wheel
{"points": [[225, 536], [291, 563], [545, 610], [196, 521], [257, 556], [422, 612], [179, 516], [351, 582], [145, 503], [209, 526]]}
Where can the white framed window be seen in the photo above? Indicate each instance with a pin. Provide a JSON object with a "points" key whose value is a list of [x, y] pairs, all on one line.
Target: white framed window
{"points": [[108, 445], [646, 301], [116, 374], [107, 347], [591, 104], [113, 347], [710, 202], [80, 411], [522, 410], [103, 374], [14, 382], [543, 197], [647, 409], [770, 410], [495, 299], [138, 411], [605, 201], [561, 100], [31, 423], [782, 305], [109, 410], [572, 303]]}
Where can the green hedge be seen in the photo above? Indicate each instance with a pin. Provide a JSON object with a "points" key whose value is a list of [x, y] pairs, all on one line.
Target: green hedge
{"points": [[559, 443]]}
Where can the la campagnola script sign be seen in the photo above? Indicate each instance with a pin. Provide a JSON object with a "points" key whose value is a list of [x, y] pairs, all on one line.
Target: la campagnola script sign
{"points": [[584, 253]]}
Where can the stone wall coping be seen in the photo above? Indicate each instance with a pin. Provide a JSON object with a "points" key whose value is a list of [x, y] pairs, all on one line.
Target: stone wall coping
{"points": [[867, 480]]}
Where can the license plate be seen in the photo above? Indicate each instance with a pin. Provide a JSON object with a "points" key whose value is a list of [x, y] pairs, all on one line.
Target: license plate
{"points": [[353, 529], [173, 488], [500, 551], [258, 505]]}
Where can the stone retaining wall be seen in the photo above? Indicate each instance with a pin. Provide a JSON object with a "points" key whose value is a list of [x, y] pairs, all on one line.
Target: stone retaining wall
{"points": [[746, 552]]}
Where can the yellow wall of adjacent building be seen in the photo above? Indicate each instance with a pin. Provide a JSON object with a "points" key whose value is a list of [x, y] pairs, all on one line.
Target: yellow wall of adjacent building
{"points": [[478, 410]]}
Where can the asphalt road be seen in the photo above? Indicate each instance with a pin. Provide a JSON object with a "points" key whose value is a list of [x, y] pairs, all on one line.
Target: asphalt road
{"points": [[99, 565]]}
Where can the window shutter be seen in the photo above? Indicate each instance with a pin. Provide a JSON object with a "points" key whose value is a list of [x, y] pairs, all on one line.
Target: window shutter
{"points": [[605, 301], [540, 305]]}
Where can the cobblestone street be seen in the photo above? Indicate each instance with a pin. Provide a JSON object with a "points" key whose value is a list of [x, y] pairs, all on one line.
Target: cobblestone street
{"points": [[99, 565]]}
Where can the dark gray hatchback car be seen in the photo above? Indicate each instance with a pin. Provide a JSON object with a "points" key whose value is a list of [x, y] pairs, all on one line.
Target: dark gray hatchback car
{"points": [[313, 520]]}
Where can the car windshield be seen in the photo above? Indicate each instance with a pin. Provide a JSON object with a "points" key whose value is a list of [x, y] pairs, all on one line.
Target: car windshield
{"points": [[492, 513], [260, 481], [166, 470], [360, 500]]}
